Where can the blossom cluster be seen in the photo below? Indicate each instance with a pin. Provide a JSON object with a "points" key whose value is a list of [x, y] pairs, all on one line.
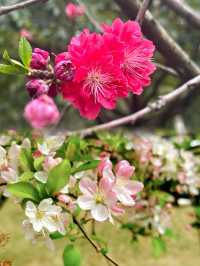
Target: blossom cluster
{"points": [[95, 72]]}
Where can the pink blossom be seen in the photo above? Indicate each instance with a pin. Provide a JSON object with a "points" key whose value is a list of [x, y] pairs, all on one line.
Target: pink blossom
{"points": [[95, 84], [124, 188], [98, 198], [53, 90], [73, 11], [40, 59], [26, 34], [50, 163], [36, 87], [41, 112], [136, 66]]}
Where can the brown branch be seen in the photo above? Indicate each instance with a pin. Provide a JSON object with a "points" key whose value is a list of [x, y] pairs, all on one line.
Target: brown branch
{"points": [[184, 11], [98, 250], [178, 58], [161, 102], [7, 9], [141, 13], [3, 184], [167, 70]]}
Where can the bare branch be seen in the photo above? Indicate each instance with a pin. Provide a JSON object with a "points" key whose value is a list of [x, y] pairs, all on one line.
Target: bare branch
{"points": [[7, 9], [166, 69], [185, 11], [177, 57], [141, 13], [92, 242], [160, 103]]}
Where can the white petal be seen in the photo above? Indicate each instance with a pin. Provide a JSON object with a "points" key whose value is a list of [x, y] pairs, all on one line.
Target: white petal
{"points": [[45, 204], [100, 213], [87, 186], [41, 176], [86, 202], [37, 224], [124, 197], [30, 210], [49, 224]]}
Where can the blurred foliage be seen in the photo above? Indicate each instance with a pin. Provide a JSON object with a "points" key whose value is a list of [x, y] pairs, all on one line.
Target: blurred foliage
{"points": [[52, 30]]}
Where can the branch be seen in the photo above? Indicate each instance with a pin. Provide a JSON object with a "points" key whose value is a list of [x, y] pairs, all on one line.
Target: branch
{"points": [[167, 70], [165, 44], [91, 18], [141, 13], [3, 184], [7, 9], [98, 250], [184, 11], [161, 102]]}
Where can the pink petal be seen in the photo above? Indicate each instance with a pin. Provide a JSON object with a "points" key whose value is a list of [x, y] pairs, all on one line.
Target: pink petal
{"points": [[124, 169], [134, 187], [124, 197], [85, 202], [87, 186]]}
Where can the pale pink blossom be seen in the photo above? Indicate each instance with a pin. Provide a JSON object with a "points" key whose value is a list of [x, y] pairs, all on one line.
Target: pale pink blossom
{"points": [[73, 11]]}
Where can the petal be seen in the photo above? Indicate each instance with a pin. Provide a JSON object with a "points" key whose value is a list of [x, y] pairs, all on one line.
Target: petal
{"points": [[86, 202], [49, 224], [37, 224], [45, 204], [41, 176], [100, 213], [134, 187], [30, 209], [105, 185], [87, 186], [124, 197], [124, 169]]}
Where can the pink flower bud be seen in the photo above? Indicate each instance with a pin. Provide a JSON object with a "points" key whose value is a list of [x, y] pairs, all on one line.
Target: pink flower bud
{"points": [[62, 57], [40, 59], [104, 163], [50, 163], [26, 34], [36, 87], [64, 70], [73, 11], [124, 169], [53, 90], [41, 112]]}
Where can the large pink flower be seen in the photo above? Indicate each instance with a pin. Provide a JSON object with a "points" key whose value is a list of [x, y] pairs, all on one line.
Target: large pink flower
{"points": [[41, 112], [98, 198], [135, 64], [97, 81]]}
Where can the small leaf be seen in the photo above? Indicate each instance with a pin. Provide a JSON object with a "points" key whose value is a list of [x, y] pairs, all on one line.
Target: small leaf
{"points": [[25, 51], [56, 235], [159, 246], [26, 176], [86, 166], [23, 190], [58, 176], [71, 256], [38, 163], [11, 70], [14, 62], [26, 160]]}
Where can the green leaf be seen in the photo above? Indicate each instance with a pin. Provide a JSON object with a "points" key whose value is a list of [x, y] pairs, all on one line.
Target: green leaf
{"points": [[86, 166], [159, 246], [56, 235], [71, 256], [10, 70], [26, 176], [13, 62], [38, 163], [26, 160], [25, 51], [23, 190], [58, 176]]}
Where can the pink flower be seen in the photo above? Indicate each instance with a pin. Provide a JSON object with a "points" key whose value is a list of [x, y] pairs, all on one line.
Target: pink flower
{"points": [[64, 69], [98, 198], [95, 84], [124, 188], [36, 87], [50, 163], [73, 11], [40, 59], [26, 34], [41, 112], [136, 65]]}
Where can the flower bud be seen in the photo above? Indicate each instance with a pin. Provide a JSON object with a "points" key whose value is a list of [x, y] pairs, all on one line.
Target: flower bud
{"points": [[36, 87], [73, 11], [64, 70], [41, 112], [40, 59]]}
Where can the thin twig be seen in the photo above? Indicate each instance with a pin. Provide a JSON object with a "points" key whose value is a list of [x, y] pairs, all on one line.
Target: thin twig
{"points": [[167, 69], [7, 9], [160, 103], [90, 16], [141, 13], [92, 242]]}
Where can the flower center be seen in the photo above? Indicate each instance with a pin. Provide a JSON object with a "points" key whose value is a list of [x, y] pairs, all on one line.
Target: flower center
{"points": [[40, 215], [99, 198], [96, 83]]}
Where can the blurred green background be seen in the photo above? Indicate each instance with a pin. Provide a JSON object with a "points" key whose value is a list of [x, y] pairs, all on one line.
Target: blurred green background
{"points": [[52, 30]]}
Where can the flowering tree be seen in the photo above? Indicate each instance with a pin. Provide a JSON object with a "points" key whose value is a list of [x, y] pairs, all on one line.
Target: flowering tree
{"points": [[65, 182]]}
